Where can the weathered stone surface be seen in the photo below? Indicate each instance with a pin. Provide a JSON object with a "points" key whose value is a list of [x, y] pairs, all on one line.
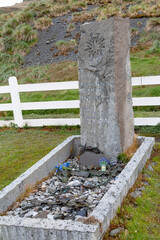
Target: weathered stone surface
{"points": [[150, 168], [135, 194], [105, 86], [90, 158]]}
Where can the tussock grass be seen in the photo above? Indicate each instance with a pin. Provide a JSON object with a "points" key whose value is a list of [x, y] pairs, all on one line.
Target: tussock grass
{"points": [[64, 47], [150, 37], [83, 16], [57, 72], [108, 11], [155, 48], [70, 27], [17, 38], [143, 9], [25, 33], [43, 23], [153, 23], [17, 34], [25, 16], [134, 32]]}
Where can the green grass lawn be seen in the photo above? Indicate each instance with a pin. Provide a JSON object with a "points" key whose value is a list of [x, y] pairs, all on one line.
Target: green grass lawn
{"points": [[20, 149], [146, 91], [67, 71], [145, 66]]}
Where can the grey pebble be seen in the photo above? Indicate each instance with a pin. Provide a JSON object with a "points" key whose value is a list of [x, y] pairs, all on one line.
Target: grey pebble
{"points": [[150, 168], [135, 194], [64, 198], [154, 163], [75, 183], [116, 231]]}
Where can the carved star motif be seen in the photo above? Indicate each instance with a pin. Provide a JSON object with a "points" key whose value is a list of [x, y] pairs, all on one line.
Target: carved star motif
{"points": [[95, 45]]}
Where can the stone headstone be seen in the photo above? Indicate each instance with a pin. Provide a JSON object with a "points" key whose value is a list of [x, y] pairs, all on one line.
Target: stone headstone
{"points": [[105, 86]]}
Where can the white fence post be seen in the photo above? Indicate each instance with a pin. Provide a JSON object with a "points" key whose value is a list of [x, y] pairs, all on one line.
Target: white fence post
{"points": [[18, 118]]}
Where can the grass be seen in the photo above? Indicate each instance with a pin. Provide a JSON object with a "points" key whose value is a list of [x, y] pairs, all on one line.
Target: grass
{"points": [[20, 149], [134, 31], [146, 91], [144, 66], [67, 71], [64, 47], [140, 217], [50, 96], [153, 131], [25, 33], [71, 27], [83, 16], [43, 23], [18, 35], [40, 114], [58, 72], [138, 114], [153, 23]]}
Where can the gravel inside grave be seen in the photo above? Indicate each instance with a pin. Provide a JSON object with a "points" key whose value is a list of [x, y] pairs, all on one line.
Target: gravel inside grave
{"points": [[63, 197]]}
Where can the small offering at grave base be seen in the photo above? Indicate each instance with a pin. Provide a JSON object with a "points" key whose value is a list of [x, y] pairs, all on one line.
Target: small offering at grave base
{"points": [[113, 161], [62, 167], [103, 163]]}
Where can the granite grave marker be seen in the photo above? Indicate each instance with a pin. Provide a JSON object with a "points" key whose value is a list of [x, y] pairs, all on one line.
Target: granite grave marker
{"points": [[106, 113]]}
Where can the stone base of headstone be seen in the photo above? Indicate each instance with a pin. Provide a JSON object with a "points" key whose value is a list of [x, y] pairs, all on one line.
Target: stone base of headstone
{"points": [[90, 158], [105, 86]]}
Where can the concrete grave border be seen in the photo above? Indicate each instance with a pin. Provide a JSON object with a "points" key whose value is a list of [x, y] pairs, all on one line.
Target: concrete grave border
{"points": [[16, 228]]}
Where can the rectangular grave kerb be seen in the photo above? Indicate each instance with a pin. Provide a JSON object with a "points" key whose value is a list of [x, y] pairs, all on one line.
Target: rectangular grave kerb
{"points": [[17, 228]]}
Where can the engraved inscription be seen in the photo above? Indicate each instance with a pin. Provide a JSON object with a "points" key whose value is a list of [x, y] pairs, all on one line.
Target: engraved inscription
{"points": [[95, 45]]}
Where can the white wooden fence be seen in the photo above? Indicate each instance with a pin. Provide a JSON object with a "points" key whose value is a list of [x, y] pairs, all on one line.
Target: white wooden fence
{"points": [[17, 106]]}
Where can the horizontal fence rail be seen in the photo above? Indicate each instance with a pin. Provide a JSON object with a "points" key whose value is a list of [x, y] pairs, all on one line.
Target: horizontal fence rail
{"points": [[16, 106], [146, 101], [37, 87], [149, 80]]}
